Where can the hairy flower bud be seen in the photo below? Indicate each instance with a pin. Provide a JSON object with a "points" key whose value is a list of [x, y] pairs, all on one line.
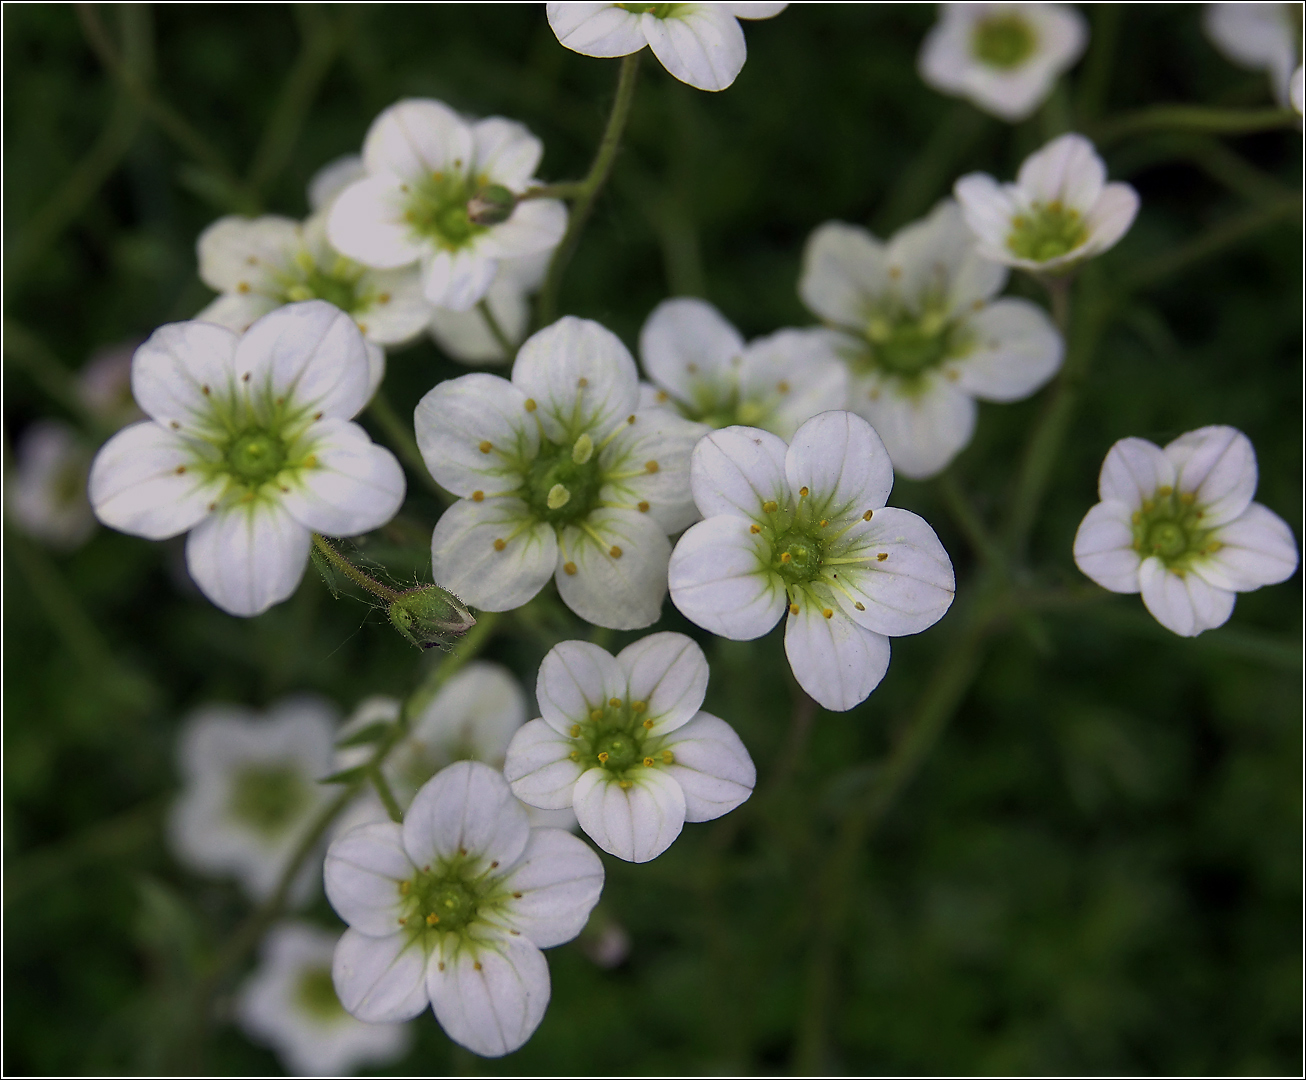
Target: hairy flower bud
{"points": [[491, 205], [430, 617]]}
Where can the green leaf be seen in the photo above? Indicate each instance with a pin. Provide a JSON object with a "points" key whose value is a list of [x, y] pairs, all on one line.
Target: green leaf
{"points": [[371, 733]]}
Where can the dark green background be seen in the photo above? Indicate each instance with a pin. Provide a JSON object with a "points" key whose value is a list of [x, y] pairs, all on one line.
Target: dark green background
{"points": [[1098, 869]]}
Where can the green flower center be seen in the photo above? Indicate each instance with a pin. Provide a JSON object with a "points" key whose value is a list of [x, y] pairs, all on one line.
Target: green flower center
{"points": [[658, 11], [256, 456], [908, 345], [1047, 232], [315, 993], [796, 554], [1004, 41], [1170, 527], [615, 737], [268, 798], [448, 898], [563, 482], [437, 209]]}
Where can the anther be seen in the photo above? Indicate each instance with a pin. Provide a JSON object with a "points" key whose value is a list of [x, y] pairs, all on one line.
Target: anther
{"points": [[530, 404], [615, 702], [405, 887], [769, 507], [403, 922], [432, 919], [596, 715], [1188, 498], [1135, 517], [1165, 489], [245, 377], [181, 469], [755, 528], [624, 785], [824, 522], [440, 966], [793, 609], [615, 551], [477, 965], [575, 730], [638, 706], [310, 462], [252, 260], [384, 298], [647, 762], [828, 612], [173, 424], [668, 758], [1148, 506], [317, 416], [462, 851], [486, 446], [582, 382], [785, 556], [648, 724], [782, 386], [494, 864], [569, 568], [574, 755], [583, 450], [630, 419], [516, 896], [881, 556], [558, 497], [243, 287], [478, 496], [205, 390], [603, 757], [663, 396], [643, 507], [515, 933], [802, 492], [859, 605], [650, 466], [500, 543]]}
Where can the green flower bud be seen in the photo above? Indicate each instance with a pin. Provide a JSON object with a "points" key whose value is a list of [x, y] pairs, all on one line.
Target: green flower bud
{"points": [[491, 205], [430, 617]]}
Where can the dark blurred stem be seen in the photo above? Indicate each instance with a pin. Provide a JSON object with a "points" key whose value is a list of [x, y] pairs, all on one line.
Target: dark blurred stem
{"points": [[352, 572], [1206, 118], [402, 442], [387, 797], [1095, 76], [590, 187], [968, 520], [496, 331]]}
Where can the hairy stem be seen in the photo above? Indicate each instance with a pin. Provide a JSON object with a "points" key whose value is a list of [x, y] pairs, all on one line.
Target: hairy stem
{"points": [[387, 797], [352, 572]]}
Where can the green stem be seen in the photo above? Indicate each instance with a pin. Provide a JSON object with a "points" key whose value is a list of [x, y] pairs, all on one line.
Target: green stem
{"points": [[590, 187], [387, 796], [402, 443], [1095, 76], [352, 572], [496, 331], [968, 520], [568, 190], [1191, 118], [50, 374]]}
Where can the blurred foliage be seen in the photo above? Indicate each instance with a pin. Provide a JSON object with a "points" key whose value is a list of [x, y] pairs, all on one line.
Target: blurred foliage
{"points": [[1099, 867]]}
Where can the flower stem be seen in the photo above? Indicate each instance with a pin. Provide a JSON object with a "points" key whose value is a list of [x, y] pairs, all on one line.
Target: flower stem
{"points": [[969, 521], [352, 572], [383, 791], [1191, 118], [588, 189], [496, 331]]}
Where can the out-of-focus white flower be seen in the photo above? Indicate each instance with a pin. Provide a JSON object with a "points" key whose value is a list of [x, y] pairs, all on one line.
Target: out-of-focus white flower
{"points": [[290, 1005], [623, 741], [1297, 90], [330, 180], [1178, 525], [466, 336], [250, 790], [703, 369], [605, 941], [250, 448], [453, 907], [1263, 37], [917, 324], [1005, 58], [560, 474], [46, 495], [104, 385], [441, 192], [700, 44], [804, 530], [1059, 212]]}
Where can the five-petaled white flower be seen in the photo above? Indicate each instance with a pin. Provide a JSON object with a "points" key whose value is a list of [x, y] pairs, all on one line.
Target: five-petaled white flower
{"points": [[453, 907], [805, 530], [624, 742], [1179, 525], [560, 474], [290, 1005], [1059, 211], [46, 495], [251, 791], [249, 446], [700, 44], [441, 192], [918, 325], [1004, 58], [702, 368], [1263, 37]]}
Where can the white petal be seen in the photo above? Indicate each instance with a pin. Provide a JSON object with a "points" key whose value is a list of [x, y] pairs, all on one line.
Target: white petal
{"points": [[171, 370], [738, 469], [668, 672], [330, 180], [1017, 349], [796, 374], [618, 575], [135, 486], [988, 210], [362, 874], [539, 766], [505, 151], [245, 557], [843, 464], [836, 661], [844, 269], [1186, 605], [465, 560], [403, 314], [416, 137], [1218, 465], [468, 809], [1104, 547], [663, 441], [355, 486], [703, 47], [637, 823], [464, 335], [720, 578], [489, 995], [380, 979], [596, 29], [580, 375], [459, 417], [1111, 216], [711, 766], [236, 251], [1066, 170], [237, 312], [458, 279], [754, 11], [475, 714], [535, 227], [1257, 548], [1132, 471], [923, 426], [559, 880], [687, 347], [366, 222], [937, 256], [575, 678]]}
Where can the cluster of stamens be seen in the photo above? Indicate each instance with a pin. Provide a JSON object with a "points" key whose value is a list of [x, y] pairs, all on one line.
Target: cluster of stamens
{"points": [[617, 737], [448, 898], [1169, 526]]}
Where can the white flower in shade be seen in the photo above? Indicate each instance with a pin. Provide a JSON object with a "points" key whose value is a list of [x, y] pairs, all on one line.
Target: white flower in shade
{"points": [[290, 1005], [104, 385], [1263, 37], [704, 370], [251, 791], [624, 742], [330, 180], [804, 532], [466, 336], [452, 908], [1059, 212], [560, 474], [1179, 525], [917, 324], [441, 193], [1004, 58], [249, 446], [1297, 90], [46, 494], [700, 44]]}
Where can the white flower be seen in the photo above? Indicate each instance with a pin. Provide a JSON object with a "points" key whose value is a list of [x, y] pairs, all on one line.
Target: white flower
{"points": [[290, 1004], [700, 44], [703, 368], [104, 385], [249, 446], [1263, 37], [918, 325], [1297, 90], [805, 530], [465, 336], [1005, 58], [330, 180], [1059, 211], [440, 192], [46, 495], [623, 741], [453, 908], [1179, 526], [560, 474], [251, 790]]}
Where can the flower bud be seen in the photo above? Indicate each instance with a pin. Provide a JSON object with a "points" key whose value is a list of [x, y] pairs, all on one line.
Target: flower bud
{"points": [[430, 617], [491, 205]]}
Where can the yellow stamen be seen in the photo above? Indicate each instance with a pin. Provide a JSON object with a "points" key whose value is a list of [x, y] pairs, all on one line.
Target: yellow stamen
{"points": [[769, 507]]}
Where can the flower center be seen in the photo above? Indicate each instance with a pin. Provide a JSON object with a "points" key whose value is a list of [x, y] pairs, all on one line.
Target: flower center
{"points": [[1003, 41], [438, 209], [564, 481], [337, 285], [256, 456], [907, 345], [616, 738], [447, 898], [1170, 527], [658, 11], [315, 993], [1046, 232], [268, 798], [796, 555]]}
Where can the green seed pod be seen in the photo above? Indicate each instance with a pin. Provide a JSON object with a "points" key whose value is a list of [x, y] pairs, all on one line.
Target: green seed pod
{"points": [[430, 617]]}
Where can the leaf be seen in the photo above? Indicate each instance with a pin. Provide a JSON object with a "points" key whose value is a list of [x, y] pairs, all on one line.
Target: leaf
{"points": [[371, 733], [346, 776]]}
